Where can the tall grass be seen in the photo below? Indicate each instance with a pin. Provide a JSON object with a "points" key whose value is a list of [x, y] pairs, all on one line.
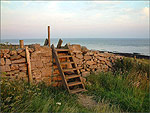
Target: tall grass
{"points": [[127, 86], [19, 96]]}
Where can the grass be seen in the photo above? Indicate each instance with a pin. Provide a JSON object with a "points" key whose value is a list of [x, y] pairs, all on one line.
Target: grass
{"points": [[125, 89], [127, 86], [19, 96]]}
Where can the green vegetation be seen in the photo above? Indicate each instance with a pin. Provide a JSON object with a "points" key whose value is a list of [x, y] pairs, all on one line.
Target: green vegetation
{"points": [[125, 89], [19, 96], [127, 86]]}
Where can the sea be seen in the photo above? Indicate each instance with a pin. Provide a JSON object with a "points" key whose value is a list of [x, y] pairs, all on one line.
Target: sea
{"points": [[122, 45]]}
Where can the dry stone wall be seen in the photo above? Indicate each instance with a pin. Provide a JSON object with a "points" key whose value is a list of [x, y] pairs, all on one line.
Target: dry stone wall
{"points": [[89, 61], [13, 63]]}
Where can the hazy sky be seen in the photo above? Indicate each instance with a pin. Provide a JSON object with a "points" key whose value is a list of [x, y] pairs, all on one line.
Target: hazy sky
{"points": [[70, 19]]}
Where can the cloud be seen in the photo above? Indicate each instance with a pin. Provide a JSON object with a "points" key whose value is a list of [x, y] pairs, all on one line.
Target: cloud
{"points": [[145, 10]]}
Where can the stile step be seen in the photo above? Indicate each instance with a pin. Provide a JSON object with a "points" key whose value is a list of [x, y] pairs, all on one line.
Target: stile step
{"points": [[64, 56], [66, 62], [62, 49], [72, 76], [77, 90], [74, 83], [70, 69]]}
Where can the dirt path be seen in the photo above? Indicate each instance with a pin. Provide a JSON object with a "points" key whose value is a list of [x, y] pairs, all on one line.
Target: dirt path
{"points": [[86, 101]]}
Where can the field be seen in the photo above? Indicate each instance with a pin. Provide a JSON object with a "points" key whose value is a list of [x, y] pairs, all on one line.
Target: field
{"points": [[124, 89]]}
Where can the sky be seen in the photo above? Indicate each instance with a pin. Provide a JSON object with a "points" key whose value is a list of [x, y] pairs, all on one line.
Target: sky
{"points": [[74, 19]]}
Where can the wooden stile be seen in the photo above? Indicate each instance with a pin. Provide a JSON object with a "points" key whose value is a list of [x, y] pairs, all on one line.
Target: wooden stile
{"points": [[49, 44], [70, 75], [29, 65], [21, 43]]}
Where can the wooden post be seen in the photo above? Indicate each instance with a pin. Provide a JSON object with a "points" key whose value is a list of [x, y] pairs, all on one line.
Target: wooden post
{"points": [[59, 43], [49, 36], [21, 43], [29, 65]]}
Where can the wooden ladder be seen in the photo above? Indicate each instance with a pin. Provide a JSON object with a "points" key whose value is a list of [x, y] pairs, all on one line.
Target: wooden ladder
{"points": [[71, 77]]}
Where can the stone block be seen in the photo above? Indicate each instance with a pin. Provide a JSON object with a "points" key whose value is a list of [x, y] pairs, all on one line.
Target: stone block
{"points": [[39, 64], [85, 74], [2, 62], [6, 55], [15, 57], [13, 52], [90, 62], [79, 55], [31, 50], [1, 55], [8, 61], [75, 48], [23, 68], [23, 54], [22, 65], [5, 51], [87, 57], [5, 68], [93, 66], [22, 60], [20, 50], [14, 67], [84, 49]]}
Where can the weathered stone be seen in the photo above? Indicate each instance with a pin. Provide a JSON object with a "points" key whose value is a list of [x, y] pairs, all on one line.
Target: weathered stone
{"points": [[23, 54], [22, 65], [84, 49], [80, 56], [87, 57], [82, 70], [15, 57], [31, 50], [2, 62], [75, 48], [20, 50], [5, 68], [36, 47], [8, 61], [1, 55], [108, 63], [101, 58], [46, 72], [33, 65], [95, 55], [93, 66], [85, 74], [39, 64], [14, 67], [101, 55], [6, 55], [5, 51], [13, 52], [22, 60], [22, 68], [90, 62]]}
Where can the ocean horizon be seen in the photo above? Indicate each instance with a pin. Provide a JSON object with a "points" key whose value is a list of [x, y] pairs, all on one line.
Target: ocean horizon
{"points": [[122, 45]]}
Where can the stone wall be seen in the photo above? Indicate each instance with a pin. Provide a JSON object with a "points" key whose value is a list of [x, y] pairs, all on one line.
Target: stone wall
{"points": [[13, 63], [89, 61]]}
